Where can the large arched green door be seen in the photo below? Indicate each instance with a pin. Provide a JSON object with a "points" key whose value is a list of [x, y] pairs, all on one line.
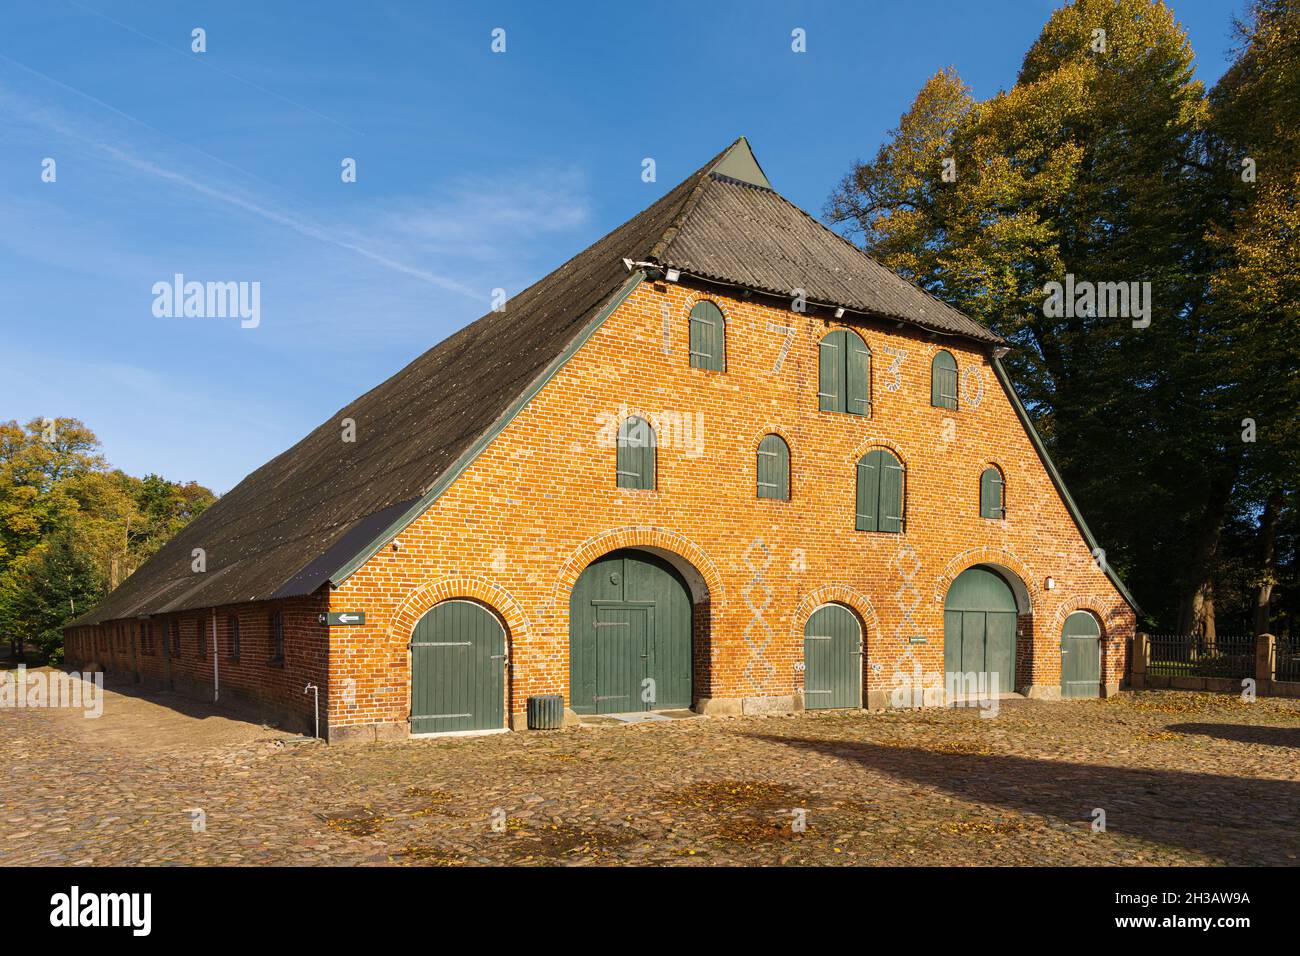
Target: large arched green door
{"points": [[979, 630], [832, 656], [458, 656], [1081, 656], [629, 636]]}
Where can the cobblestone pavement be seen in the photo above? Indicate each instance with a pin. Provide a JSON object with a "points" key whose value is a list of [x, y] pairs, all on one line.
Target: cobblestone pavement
{"points": [[1182, 777]]}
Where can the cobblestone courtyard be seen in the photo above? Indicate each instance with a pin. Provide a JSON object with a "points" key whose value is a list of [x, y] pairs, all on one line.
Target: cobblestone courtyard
{"points": [[1182, 778]]}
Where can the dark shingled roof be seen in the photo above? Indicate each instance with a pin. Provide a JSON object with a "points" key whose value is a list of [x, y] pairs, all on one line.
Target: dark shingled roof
{"points": [[295, 522]]}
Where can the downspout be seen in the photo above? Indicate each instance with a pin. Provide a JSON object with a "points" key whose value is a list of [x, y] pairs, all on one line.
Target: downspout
{"points": [[315, 692], [216, 682]]}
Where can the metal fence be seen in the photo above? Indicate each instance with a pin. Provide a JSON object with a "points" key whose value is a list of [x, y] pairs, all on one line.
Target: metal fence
{"points": [[1195, 655], [1288, 659]]}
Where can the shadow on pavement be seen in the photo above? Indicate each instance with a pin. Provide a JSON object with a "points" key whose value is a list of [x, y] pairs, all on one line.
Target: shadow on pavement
{"points": [[1244, 733], [1243, 820]]}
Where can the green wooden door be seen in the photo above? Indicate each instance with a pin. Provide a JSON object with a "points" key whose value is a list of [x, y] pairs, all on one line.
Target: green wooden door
{"points": [[629, 636], [979, 631], [458, 653], [1081, 656], [623, 658], [832, 654]]}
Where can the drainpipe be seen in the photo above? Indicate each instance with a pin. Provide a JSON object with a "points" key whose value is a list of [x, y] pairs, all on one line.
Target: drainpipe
{"points": [[315, 694], [216, 682]]}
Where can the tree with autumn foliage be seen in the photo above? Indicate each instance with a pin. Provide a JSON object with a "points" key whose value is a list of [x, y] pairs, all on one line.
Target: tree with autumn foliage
{"points": [[1107, 160], [71, 528]]}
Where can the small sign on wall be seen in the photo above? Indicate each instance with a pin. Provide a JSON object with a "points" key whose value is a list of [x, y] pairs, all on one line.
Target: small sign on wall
{"points": [[342, 618]]}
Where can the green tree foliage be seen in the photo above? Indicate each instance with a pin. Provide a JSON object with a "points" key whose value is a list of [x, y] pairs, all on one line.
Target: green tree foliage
{"points": [[1105, 160], [1253, 141], [71, 529]]}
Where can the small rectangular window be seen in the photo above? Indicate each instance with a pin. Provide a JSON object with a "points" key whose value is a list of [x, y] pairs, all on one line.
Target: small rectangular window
{"points": [[277, 637]]}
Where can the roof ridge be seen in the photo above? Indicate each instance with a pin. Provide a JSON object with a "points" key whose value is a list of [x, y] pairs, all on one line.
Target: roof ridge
{"points": [[724, 178], [701, 177]]}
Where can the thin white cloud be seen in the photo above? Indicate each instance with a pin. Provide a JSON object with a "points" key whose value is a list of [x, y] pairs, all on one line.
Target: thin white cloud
{"points": [[302, 225]]}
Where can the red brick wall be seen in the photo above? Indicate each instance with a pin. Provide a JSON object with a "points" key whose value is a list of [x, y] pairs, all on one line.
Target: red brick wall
{"points": [[516, 529], [253, 684]]}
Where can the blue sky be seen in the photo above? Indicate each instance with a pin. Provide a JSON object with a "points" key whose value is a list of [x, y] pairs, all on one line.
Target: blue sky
{"points": [[475, 171]]}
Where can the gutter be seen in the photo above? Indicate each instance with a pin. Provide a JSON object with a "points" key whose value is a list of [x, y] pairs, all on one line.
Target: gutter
{"points": [[1057, 480]]}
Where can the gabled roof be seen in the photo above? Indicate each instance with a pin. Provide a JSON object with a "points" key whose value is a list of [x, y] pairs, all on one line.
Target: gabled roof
{"points": [[317, 511], [737, 230]]}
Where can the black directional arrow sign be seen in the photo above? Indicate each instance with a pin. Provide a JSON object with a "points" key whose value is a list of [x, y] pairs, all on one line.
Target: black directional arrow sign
{"points": [[342, 618]]}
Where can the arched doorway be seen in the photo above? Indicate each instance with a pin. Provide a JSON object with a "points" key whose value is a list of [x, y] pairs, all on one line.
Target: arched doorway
{"points": [[1081, 656], [979, 631], [458, 658], [630, 646], [832, 654]]}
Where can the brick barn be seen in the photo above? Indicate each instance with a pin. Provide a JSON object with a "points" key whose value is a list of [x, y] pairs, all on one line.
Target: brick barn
{"points": [[719, 460]]}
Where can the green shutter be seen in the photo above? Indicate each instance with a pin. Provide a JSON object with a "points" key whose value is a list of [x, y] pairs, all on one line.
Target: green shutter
{"points": [[943, 381], [858, 375], [774, 468], [635, 459], [708, 337], [891, 493], [869, 492], [844, 374], [830, 373], [991, 494], [880, 493]]}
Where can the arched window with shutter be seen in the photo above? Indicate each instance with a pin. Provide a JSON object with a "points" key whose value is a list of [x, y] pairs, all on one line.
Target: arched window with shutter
{"points": [[844, 373], [880, 492], [774, 468], [943, 381], [992, 494], [708, 342], [635, 461]]}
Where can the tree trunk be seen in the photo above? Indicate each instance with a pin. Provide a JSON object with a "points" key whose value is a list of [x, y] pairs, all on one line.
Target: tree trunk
{"points": [[1196, 613], [1267, 558]]}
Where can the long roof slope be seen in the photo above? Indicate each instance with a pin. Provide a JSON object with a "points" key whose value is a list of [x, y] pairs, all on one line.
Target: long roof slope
{"points": [[296, 521]]}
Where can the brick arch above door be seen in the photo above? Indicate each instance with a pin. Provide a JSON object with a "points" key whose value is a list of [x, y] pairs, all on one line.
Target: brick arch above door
{"points": [[995, 557], [855, 600], [668, 544], [424, 598]]}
